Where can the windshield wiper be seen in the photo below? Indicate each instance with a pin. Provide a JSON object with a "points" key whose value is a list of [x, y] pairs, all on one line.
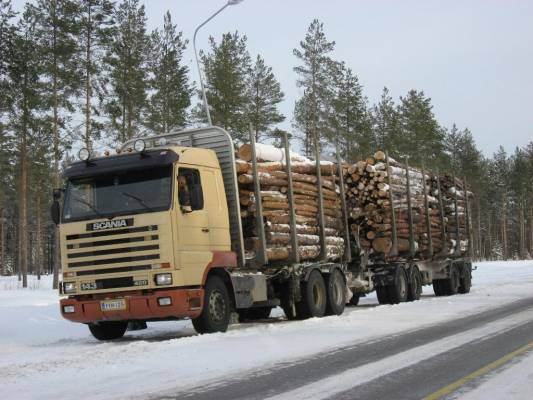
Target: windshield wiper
{"points": [[141, 201], [82, 201]]}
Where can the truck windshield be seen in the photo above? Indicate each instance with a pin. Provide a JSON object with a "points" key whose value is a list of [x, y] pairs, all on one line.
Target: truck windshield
{"points": [[120, 193]]}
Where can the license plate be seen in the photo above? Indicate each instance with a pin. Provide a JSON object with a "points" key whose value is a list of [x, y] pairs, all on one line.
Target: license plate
{"points": [[113, 305]]}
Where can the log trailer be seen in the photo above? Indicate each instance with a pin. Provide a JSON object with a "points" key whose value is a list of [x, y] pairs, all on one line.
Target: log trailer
{"points": [[132, 251], [411, 230]]}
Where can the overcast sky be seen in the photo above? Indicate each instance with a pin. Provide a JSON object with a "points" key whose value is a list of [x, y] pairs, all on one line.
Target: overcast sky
{"points": [[473, 58]]}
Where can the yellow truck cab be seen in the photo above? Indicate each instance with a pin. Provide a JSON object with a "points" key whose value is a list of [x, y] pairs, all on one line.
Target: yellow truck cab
{"points": [[154, 233]]}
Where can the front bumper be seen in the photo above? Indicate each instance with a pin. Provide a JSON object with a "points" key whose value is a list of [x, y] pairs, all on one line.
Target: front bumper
{"points": [[186, 303]]}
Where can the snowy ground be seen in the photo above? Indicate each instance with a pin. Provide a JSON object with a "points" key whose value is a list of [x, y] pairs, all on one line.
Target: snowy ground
{"points": [[44, 356]]}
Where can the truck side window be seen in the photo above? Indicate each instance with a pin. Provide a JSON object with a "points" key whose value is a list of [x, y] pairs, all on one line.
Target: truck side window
{"points": [[190, 194]]}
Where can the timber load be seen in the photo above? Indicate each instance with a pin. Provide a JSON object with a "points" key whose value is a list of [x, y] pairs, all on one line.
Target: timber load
{"points": [[273, 177], [401, 212]]}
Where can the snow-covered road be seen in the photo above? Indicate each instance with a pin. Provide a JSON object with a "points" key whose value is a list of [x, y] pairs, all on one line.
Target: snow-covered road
{"points": [[43, 356]]}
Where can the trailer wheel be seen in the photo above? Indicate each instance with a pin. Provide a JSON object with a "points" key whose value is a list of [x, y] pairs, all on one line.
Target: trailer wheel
{"points": [[336, 300], [451, 284], [438, 287], [216, 313], [253, 314], [313, 303], [108, 330], [383, 294], [354, 301], [398, 289], [466, 280], [414, 289]]}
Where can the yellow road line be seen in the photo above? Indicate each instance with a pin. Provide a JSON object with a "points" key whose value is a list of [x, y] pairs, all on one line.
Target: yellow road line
{"points": [[482, 371]]}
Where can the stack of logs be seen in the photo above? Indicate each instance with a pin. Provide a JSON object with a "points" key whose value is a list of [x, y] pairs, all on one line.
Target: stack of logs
{"points": [[275, 204], [374, 192]]}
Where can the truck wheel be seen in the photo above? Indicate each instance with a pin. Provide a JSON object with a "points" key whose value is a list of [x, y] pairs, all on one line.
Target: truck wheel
{"points": [[466, 281], [217, 308], [451, 284], [354, 301], [438, 287], [336, 301], [108, 330], [253, 314], [414, 290], [398, 289], [313, 303], [383, 295]]}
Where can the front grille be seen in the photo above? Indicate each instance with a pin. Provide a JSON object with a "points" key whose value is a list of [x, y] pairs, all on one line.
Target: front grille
{"points": [[113, 261], [112, 241], [113, 251], [112, 232], [125, 251], [114, 270]]}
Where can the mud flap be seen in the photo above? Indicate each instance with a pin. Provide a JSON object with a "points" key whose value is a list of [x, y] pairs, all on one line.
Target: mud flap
{"points": [[248, 289]]}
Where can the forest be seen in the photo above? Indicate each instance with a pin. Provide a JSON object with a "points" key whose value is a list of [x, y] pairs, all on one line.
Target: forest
{"points": [[88, 73]]}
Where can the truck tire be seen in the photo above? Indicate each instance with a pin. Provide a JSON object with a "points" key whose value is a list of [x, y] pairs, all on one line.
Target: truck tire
{"points": [[314, 299], [466, 280], [438, 287], [335, 287], [451, 284], [253, 314], [108, 330], [354, 301], [216, 313], [383, 294], [414, 289], [398, 290]]}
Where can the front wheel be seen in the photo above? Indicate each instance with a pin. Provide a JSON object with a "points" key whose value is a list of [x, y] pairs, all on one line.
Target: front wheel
{"points": [[216, 312], [108, 330]]}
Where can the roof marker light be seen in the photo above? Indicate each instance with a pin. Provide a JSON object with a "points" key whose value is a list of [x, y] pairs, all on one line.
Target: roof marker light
{"points": [[139, 145], [84, 154]]}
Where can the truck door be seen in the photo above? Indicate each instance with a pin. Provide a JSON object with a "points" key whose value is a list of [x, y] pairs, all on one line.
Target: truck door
{"points": [[193, 226]]}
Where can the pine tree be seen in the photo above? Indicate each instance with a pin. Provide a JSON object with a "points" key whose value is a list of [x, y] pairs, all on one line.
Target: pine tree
{"points": [[127, 59], [386, 123], [265, 95], [350, 119], [170, 81], [24, 69], [7, 31], [95, 19], [423, 139], [226, 69], [57, 30], [312, 110]]}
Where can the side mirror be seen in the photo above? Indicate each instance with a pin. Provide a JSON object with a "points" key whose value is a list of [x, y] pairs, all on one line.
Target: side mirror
{"points": [[55, 212], [56, 194]]}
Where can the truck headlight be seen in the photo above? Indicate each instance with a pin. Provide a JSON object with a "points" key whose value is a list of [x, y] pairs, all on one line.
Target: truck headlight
{"points": [[69, 287], [163, 279]]}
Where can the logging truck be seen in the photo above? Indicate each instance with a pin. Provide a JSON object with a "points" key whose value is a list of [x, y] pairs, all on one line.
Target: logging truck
{"points": [[159, 232], [156, 233]]}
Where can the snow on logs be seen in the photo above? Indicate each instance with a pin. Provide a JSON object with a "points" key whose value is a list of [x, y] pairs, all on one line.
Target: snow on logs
{"points": [[273, 179], [373, 192]]}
